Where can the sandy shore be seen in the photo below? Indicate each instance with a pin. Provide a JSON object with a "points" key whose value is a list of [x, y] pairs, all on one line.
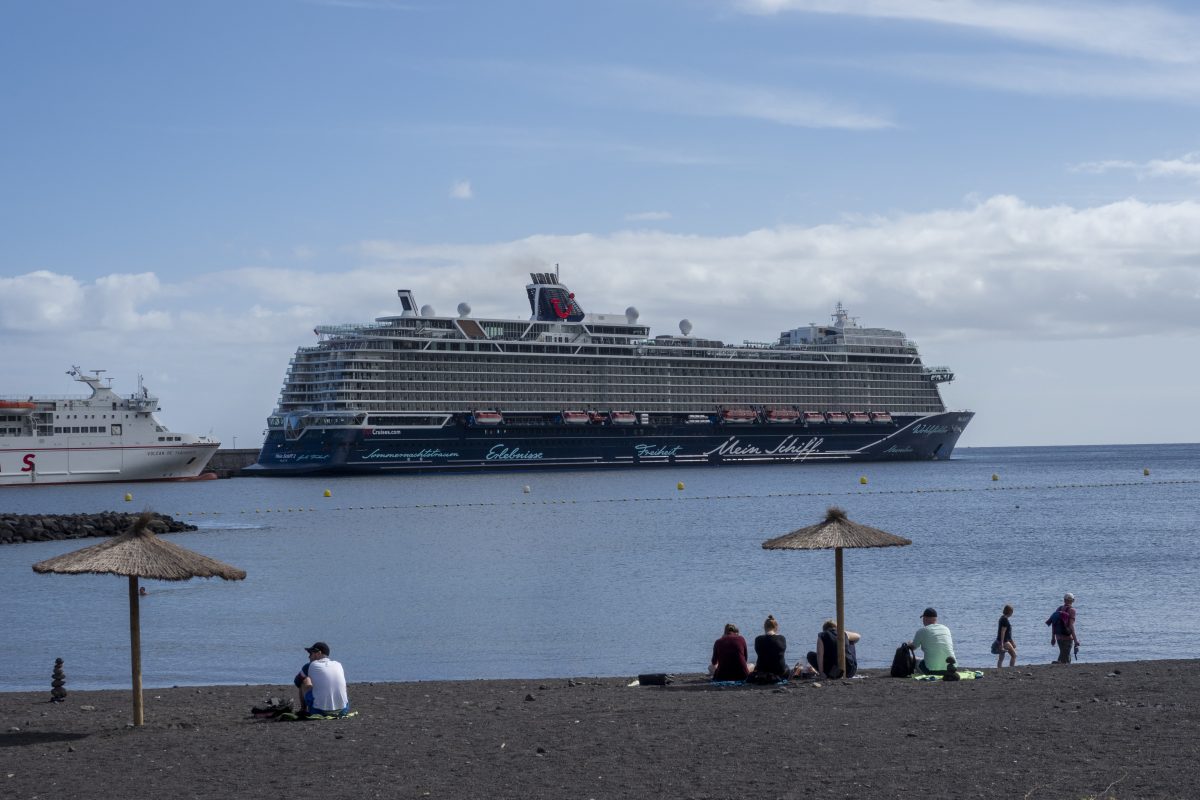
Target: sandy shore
{"points": [[1129, 730]]}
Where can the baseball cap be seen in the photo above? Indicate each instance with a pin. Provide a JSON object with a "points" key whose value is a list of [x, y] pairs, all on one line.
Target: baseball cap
{"points": [[930, 612], [324, 648]]}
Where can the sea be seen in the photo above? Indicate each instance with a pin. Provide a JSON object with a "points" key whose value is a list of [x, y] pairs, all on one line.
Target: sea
{"points": [[615, 573]]}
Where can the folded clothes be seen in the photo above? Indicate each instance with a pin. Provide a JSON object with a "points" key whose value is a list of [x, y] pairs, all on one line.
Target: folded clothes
{"points": [[963, 675]]}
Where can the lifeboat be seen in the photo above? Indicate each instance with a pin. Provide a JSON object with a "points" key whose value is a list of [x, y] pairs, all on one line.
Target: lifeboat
{"points": [[487, 418], [813, 416], [881, 416], [859, 416], [738, 416], [782, 415], [836, 417], [16, 407], [622, 418], [575, 418]]}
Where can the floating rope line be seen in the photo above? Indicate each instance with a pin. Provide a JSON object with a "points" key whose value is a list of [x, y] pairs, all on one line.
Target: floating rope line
{"points": [[678, 498]]}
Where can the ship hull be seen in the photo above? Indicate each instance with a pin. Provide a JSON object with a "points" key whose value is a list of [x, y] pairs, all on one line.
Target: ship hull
{"points": [[47, 463], [459, 448]]}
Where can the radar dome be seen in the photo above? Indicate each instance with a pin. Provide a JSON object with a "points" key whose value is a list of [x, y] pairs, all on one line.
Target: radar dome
{"points": [[463, 309], [685, 326], [427, 311], [631, 315]]}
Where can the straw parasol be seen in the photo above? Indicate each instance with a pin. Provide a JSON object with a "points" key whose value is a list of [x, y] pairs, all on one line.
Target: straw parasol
{"points": [[836, 532], [138, 553]]}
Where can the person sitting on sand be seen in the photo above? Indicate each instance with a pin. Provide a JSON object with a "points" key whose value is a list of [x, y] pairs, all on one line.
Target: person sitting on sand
{"points": [[769, 649], [729, 656], [825, 658], [322, 683], [935, 643], [1005, 638]]}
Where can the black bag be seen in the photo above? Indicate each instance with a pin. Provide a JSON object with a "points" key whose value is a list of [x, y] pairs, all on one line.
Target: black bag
{"points": [[996, 647], [904, 663], [653, 679]]}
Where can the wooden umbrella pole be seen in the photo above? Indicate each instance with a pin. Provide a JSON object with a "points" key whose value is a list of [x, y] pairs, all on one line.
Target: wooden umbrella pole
{"points": [[135, 648], [841, 615]]}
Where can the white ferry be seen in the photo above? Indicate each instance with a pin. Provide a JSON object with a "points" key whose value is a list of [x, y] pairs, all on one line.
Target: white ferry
{"points": [[418, 392], [99, 438]]}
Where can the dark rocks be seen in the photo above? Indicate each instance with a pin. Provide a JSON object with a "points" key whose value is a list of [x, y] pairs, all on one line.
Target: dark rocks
{"points": [[17, 528]]}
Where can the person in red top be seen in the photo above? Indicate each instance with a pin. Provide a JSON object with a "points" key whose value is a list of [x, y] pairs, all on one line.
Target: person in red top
{"points": [[729, 656], [1066, 636]]}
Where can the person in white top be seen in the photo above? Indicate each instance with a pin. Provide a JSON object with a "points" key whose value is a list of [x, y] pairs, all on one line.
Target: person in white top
{"points": [[322, 683]]}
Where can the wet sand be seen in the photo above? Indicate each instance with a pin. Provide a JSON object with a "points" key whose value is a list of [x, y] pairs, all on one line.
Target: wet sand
{"points": [[1129, 730]]}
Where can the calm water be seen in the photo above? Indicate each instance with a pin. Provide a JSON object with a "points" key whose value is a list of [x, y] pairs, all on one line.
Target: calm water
{"points": [[615, 573]]}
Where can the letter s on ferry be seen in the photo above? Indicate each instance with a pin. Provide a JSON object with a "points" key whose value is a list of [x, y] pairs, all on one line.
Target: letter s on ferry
{"points": [[28, 462]]}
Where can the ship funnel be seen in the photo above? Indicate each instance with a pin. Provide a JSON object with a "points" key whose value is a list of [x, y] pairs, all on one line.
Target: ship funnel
{"points": [[408, 304], [550, 301]]}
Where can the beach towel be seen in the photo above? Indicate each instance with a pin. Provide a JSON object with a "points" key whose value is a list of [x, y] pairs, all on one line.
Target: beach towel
{"points": [[291, 716], [963, 675], [725, 684]]}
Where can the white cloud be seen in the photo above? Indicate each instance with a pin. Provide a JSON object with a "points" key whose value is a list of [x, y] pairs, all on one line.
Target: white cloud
{"points": [[648, 216], [1186, 166], [39, 300], [656, 92], [461, 190], [1128, 30]]}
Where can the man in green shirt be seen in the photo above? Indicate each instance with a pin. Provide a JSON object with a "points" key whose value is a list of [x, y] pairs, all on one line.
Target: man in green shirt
{"points": [[935, 642]]}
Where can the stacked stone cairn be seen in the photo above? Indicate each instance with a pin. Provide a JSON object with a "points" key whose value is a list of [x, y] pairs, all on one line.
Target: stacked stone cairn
{"points": [[57, 681]]}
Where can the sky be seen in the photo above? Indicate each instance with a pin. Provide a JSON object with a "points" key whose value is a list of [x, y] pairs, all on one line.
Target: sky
{"points": [[188, 188]]}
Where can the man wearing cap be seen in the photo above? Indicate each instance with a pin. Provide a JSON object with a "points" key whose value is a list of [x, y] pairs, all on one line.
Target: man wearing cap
{"points": [[1064, 634], [322, 683], [935, 642]]}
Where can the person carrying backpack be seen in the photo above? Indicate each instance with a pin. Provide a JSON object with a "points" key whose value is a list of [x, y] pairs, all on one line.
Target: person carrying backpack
{"points": [[1062, 629]]}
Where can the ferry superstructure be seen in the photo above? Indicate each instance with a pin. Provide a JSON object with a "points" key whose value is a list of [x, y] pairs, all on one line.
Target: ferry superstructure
{"points": [[102, 437], [420, 392]]}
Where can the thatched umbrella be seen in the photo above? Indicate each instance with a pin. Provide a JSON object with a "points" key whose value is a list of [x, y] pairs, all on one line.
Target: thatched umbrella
{"points": [[138, 553], [836, 532]]}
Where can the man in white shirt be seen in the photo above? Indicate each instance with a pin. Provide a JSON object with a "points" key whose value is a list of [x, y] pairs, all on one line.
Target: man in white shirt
{"points": [[935, 642], [322, 683]]}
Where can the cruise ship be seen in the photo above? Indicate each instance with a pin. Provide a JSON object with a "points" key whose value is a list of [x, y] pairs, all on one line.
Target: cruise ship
{"points": [[418, 392], [102, 437]]}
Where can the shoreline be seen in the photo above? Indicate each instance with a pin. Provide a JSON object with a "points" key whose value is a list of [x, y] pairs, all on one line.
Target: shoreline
{"points": [[1119, 729]]}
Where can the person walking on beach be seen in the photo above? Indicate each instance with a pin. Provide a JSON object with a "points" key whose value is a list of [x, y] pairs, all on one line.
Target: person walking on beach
{"points": [[769, 649], [1004, 638], [1062, 632], [322, 683], [729, 656], [825, 658], [935, 643]]}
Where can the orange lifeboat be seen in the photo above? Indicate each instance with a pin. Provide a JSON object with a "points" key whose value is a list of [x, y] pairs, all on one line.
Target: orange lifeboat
{"points": [[16, 407], [575, 418], [859, 416], [782, 415], [881, 416], [813, 416], [487, 418], [622, 418], [738, 416], [836, 417]]}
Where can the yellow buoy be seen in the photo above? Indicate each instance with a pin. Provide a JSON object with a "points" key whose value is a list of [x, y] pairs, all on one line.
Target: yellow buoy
{"points": [[525, 489], [995, 477], [1145, 471], [863, 480], [679, 486], [128, 497], [328, 493]]}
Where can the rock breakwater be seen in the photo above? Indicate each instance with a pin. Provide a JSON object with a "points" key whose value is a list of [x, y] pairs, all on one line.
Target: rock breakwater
{"points": [[17, 528]]}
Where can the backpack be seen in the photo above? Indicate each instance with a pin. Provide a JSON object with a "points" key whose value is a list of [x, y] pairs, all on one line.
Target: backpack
{"points": [[904, 663], [1058, 623]]}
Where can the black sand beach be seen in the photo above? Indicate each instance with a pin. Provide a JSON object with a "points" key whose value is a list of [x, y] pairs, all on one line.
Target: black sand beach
{"points": [[1128, 730]]}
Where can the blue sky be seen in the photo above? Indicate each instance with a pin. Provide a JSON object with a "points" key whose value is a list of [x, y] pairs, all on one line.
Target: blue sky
{"points": [[187, 188]]}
